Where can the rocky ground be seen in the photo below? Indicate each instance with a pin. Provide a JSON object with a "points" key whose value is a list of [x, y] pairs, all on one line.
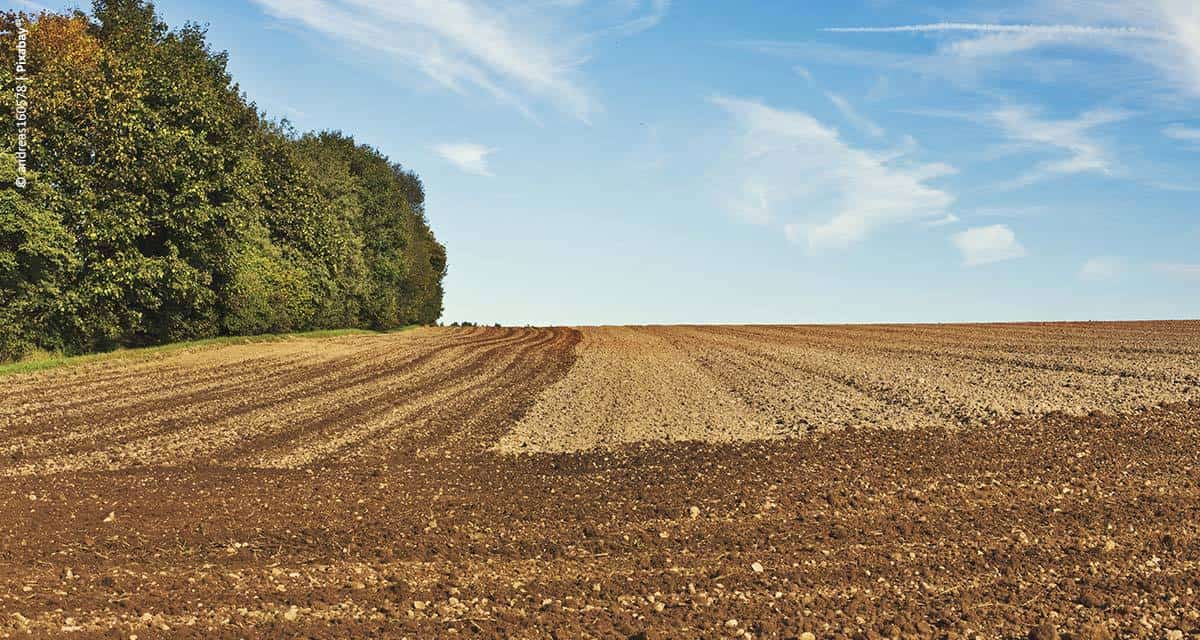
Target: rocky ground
{"points": [[992, 481]]}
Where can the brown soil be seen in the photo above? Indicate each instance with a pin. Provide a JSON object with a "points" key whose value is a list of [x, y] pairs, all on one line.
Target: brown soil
{"points": [[915, 482]]}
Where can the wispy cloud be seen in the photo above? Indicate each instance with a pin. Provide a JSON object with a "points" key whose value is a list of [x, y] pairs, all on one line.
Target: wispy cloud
{"points": [[853, 116], [1180, 132], [1083, 153], [470, 157], [1183, 271], [1164, 34], [949, 218], [848, 110], [1009, 212], [515, 52], [1055, 29], [985, 245], [1176, 54], [655, 12], [1004, 39], [1101, 268], [791, 165]]}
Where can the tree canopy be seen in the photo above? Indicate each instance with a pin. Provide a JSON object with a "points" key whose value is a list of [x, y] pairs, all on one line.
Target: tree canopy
{"points": [[162, 205]]}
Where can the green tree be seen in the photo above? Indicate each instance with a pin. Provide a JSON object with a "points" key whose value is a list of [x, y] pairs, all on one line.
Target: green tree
{"points": [[166, 207]]}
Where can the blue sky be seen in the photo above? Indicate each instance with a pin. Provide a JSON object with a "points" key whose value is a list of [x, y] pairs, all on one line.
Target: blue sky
{"points": [[653, 161]]}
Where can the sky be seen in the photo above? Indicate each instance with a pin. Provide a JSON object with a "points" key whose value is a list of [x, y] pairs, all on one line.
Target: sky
{"points": [[676, 161]]}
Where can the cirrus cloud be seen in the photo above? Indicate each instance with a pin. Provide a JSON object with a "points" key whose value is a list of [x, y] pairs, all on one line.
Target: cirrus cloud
{"points": [[1181, 270], [1164, 34], [789, 165], [516, 52], [1179, 132], [1084, 154]]}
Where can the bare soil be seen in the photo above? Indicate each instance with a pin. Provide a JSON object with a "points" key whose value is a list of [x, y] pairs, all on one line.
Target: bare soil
{"points": [[941, 481]]}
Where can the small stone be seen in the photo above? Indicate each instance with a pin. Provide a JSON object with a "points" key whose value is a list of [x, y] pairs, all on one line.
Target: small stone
{"points": [[658, 606], [291, 614], [808, 635], [1174, 634], [1094, 631], [418, 605], [1044, 631], [112, 516], [756, 567], [731, 623], [694, 512]]}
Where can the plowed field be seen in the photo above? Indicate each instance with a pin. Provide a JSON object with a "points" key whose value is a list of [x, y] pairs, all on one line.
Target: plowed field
{"points": [[918, 481]]}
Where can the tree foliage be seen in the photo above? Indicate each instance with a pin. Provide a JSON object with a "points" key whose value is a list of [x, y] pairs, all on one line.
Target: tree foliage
{"points": [[162, 205]]}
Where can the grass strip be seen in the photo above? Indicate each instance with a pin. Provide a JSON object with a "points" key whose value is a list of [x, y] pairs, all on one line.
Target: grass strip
{"points": [[45, 361]]}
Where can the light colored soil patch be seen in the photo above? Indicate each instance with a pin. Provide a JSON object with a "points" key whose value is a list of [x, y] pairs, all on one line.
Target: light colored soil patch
{"points": [[629, 385], [730, 383]]}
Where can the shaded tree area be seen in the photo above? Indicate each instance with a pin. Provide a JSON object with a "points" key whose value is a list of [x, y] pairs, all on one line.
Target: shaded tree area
{"points": [[161, 205]]}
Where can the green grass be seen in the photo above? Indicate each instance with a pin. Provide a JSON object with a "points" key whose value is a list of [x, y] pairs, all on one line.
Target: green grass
{"points": [[44, 360]]}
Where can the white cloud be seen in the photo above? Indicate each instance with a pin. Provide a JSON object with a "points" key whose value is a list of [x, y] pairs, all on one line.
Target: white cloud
{"points": [[848, 111], [1048, 30], [1179, 270], [1005, 39], [1084, 154], [1052, 30], [515, 52], [1180, 132], [753, 202], [853, 116], [985, 245], [1009, 212], [949, 218], [1164, 34], [655, 13], [1176, 55], [1101, 268], [467, 156], [1073, 139], [790, 165]]}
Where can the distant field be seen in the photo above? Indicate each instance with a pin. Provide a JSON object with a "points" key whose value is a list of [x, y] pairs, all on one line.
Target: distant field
{"points": [[728, 383], [685, 481]]}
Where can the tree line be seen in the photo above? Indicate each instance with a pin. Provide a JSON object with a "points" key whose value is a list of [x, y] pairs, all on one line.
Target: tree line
{"points": [[159, 204]]}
